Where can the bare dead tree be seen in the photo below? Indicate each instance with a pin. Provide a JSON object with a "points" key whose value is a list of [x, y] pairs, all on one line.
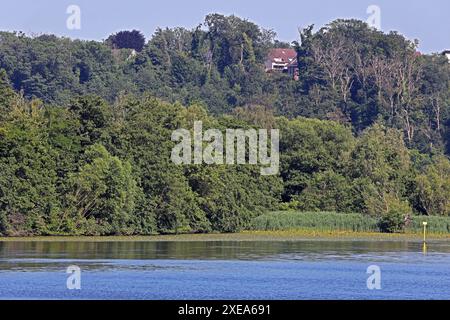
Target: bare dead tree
{"points": [[383, 72], [335, 57], [436, 105], [362, 69], [328, 55], [409, 73]]}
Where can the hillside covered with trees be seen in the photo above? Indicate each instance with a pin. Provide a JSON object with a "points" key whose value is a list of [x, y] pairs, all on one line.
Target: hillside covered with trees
{"points": [[85, 128]]}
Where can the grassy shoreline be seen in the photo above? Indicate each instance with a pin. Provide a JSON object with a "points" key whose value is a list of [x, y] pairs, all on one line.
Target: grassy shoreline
{"points": [[343, 222], [287, 235]]}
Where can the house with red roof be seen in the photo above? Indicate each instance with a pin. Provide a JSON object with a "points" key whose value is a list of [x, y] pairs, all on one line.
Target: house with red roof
{"points": [[282, 60]]}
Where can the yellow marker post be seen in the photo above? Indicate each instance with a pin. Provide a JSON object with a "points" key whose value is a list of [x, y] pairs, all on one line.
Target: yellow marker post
{"points": [[424, 248], [424, 231]]}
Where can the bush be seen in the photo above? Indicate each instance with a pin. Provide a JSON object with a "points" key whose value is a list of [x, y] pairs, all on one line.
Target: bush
{"points": [[394, 217], [393, 222]]}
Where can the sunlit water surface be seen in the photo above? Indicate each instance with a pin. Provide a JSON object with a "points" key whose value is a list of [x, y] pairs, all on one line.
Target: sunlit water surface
{"points": [[224, 270]]}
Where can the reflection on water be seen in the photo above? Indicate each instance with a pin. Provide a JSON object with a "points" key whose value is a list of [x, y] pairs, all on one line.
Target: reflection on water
{"points": [[39, 255], [224, 269], [221, 250]]}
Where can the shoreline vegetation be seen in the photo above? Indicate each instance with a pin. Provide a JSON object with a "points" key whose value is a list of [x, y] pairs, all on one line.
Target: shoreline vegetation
{"points": [[287, 235], [287, 226], [345, 222]]}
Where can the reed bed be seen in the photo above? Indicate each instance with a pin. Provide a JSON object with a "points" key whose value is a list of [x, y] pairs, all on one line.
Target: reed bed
{"points": [[332, 221]]}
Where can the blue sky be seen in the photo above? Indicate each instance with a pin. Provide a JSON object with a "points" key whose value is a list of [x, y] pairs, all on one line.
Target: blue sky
{"points": [[426, 20]]}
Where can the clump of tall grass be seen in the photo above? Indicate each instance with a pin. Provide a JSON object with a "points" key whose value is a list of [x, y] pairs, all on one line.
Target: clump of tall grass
{"points": [[319, 221], [434, 224], [332, 221]]}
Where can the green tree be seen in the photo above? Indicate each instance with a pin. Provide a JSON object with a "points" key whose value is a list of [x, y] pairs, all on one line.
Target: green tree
{"points": [[127, 40], [310, 146], [28, 200], [433, 187], [380, 169], [327, 191], [103, 194], [7, 95]]}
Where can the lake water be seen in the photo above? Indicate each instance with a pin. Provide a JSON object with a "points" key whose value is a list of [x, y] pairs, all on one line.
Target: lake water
{"points": [[225, 270]]}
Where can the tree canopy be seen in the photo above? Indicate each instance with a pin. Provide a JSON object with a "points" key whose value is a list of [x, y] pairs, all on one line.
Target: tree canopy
{"points": [[85, 128]]}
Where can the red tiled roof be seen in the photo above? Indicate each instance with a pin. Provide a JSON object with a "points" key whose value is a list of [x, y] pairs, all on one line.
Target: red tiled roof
{"points": [[286, 55]]}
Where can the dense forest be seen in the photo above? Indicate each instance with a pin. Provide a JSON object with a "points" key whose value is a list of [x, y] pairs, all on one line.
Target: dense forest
{"points": [[85, 128]]}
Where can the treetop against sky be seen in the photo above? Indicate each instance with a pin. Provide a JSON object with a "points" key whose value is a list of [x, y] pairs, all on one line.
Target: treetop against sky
{"points": [[416, 19]]}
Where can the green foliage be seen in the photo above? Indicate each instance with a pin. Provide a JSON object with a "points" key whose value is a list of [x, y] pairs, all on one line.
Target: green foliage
{"points": [[127, 40], [349, 73], [28, 199], [331, 221], [318, 221], [309, 147], [434, 224], [85, 129], [395, 213], [231, 197], [7, 94], [94, 168], [326, 191], [433, 187], [379, 166], [103, 194]]}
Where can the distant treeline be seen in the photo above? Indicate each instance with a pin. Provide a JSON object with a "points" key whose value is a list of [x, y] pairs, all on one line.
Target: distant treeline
{"points": [[85, 129]]}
